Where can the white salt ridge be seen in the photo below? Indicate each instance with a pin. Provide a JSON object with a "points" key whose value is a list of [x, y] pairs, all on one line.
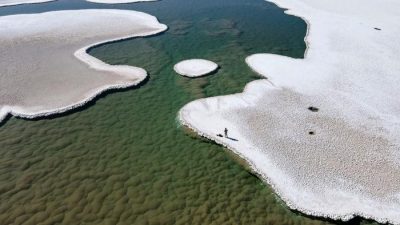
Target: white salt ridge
{"points": [[195, 67], [351, 165], [119, 1], [46, 70], [20, 2]]}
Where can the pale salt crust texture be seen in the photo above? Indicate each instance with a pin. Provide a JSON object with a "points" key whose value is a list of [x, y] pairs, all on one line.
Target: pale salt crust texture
{"points": [[44, 67], [118, 1], [20, 2], [195, 67], [351, 71]]}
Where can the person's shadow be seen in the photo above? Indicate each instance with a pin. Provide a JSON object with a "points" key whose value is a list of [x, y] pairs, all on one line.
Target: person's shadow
{"points": [[233, 139]]}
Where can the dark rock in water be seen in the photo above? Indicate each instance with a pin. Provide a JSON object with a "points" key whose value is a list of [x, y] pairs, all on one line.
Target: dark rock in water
{"points": [[313, 109], [311, 132]]}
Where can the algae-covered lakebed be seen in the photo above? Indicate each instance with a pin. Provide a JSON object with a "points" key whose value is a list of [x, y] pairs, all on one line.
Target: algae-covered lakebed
{"points": [[124, 159]]}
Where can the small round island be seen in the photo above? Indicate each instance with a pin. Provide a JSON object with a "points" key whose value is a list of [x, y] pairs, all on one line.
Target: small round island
{"points": [[195, 67]]}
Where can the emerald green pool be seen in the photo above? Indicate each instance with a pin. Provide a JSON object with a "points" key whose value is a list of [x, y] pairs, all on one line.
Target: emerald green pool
{"points": [[124, 159]]}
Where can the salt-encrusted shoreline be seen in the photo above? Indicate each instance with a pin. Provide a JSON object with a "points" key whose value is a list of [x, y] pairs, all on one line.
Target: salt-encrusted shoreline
{"points": [[338, 162], [4, 3], [119, 1], [135, 24], [219, 123], [195, 67]]}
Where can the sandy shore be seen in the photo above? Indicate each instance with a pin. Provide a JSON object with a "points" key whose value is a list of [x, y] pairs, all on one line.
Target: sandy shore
{"points": [[195, 67], [20, 2], [324, 130], [46, 70]]}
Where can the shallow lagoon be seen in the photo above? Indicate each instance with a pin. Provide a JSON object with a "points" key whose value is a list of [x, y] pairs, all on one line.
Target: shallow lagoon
{"points": [[124, 159]]}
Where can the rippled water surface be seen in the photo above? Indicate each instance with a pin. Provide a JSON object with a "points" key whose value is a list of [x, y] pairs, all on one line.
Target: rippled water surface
{"points": [[124, 159]]}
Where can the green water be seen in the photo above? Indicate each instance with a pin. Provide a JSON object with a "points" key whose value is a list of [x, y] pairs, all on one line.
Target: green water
{"points": [[124, 159]]}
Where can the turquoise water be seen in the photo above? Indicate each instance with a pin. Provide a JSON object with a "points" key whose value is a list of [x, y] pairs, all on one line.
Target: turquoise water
{"points": [[124, 159]]}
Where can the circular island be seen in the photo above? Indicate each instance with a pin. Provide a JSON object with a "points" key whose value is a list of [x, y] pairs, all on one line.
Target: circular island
{"points": [[195, 67]]}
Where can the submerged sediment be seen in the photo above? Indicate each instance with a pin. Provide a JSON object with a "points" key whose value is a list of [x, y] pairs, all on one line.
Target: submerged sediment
{"points": [[119, 1]]}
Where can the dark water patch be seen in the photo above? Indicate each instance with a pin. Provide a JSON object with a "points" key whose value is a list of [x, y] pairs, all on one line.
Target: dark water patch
{"points": [[313, 109]]}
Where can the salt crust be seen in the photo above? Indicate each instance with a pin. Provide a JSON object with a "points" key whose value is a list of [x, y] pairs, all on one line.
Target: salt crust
{"points": [[351, 166], [20, 2], [195, 67], [119, 1], [40, 75]]}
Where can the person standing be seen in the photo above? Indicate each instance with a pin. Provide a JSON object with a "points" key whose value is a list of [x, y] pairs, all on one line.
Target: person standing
{"points": [[226, 132]]}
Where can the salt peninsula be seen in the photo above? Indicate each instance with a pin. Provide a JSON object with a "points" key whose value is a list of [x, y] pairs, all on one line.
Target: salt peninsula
{"points": [[20, 2], [195, 67], [323, 131], [46, 69]]}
